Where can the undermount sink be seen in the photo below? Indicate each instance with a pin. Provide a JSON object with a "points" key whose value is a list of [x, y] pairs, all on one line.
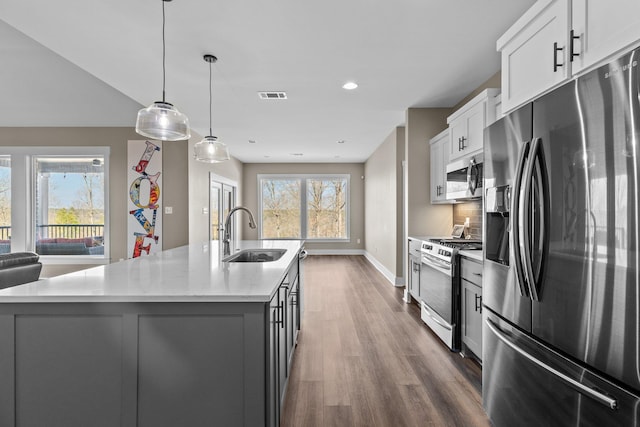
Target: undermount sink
{"points": [[256, 255]]}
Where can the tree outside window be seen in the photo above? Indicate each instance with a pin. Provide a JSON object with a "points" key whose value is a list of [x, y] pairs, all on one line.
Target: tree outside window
{"points": [[326, 208], [301, 206], [281, 208]]}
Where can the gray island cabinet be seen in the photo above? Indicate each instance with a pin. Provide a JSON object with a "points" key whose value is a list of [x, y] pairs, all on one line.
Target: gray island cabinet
{"points": [[179, 338]]}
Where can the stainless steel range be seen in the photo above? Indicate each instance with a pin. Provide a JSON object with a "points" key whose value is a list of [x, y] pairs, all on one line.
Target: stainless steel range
{"points": [[440, 287]]}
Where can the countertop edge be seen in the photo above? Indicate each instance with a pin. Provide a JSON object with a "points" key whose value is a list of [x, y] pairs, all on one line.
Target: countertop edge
{"points": [[70, 288]]}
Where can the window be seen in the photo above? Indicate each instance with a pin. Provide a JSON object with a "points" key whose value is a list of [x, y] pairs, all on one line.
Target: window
{"points": [[69, 205], [312, 207], [63, 215], [5, 204]]}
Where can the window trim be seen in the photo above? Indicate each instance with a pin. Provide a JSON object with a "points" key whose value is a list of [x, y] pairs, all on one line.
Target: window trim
{"points": [[303, 204], [23, 181]]}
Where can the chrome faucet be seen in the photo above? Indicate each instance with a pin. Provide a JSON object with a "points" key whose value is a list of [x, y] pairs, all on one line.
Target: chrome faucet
{"points": [[227, 227]]}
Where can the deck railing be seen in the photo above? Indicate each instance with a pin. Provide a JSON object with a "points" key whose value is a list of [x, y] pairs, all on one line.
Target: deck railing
{"points": [[5, 232], [54, 231], [70, 231]]}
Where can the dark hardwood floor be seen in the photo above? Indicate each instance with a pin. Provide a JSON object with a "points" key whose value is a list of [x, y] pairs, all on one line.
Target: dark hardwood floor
{"points": [[364, 357]]}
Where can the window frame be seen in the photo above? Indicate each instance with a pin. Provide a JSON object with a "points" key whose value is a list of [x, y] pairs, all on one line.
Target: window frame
{"points": [[304, 206], [23, 216]]}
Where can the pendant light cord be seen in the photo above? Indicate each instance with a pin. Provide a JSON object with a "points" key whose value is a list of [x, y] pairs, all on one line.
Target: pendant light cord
{"points": [[163, 54], [210, 102]]}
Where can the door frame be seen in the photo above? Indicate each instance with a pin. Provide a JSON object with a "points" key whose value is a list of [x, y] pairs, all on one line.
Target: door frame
{"points": [[223, 185]]}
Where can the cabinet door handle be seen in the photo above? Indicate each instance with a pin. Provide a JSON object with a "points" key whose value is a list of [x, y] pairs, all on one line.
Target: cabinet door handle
{"points": [[281, 307], [556, 49], [459, 144], [478, 303], [572, 51], [462, 140]]}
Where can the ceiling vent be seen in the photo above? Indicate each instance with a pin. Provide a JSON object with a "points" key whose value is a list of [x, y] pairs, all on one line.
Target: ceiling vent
{"points": [[272, 95]]}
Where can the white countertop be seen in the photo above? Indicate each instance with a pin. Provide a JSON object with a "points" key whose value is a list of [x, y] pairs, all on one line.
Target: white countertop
{"points": [[473, 254], [192, 273]]}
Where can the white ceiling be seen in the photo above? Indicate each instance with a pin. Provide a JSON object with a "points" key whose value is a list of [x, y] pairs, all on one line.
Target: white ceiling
{"points": [[402, 53]]}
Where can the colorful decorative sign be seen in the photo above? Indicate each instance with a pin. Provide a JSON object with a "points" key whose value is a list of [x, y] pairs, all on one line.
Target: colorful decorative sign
{"points": [[144, 178]]}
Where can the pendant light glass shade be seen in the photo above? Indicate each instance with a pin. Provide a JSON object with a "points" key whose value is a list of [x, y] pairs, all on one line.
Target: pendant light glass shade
{"points": [[162, 121], [210, 150]]}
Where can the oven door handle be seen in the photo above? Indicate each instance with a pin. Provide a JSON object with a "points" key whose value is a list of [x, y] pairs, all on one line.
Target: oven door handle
{"points": [[436, 264]]}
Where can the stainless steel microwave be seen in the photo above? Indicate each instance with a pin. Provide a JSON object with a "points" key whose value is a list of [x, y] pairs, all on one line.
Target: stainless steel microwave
{"points": [[464, 178]]}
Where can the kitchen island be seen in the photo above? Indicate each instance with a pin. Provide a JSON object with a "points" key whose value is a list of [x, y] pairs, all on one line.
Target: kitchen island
{"points": [[177, 338]]}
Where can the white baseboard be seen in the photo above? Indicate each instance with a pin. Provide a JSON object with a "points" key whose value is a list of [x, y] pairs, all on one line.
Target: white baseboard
{"points": [[395, 281], [335, 251]]}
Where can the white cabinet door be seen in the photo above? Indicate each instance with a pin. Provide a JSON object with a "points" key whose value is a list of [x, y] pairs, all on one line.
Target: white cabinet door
{"points": [[472, 317], [439, 146], [476, 120], [534, 53], [466, 125], [471, 274], [603, 28], [458, 136]]}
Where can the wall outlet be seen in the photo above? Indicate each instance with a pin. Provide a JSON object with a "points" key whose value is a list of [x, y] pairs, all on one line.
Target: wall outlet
{"points": [[358, 241], [168, 210], [205, 211]]}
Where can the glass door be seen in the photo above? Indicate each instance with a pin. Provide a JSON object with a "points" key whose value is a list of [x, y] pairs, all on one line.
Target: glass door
{"points": [[215, 213], [222, 198]]}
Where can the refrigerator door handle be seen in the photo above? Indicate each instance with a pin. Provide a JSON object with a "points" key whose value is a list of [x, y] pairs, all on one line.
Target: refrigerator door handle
{"points": [[602, 398], [514, 236], [527, 220]]}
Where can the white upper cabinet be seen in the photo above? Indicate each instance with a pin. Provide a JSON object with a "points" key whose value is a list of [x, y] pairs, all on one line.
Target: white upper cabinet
{"points": [[534, 53], [498, 106], [603, 28], [556, 40], [439, 146], [466, 125]]}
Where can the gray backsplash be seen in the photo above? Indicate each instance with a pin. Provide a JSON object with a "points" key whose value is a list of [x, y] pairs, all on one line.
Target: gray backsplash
{"points": [[472, 210]]}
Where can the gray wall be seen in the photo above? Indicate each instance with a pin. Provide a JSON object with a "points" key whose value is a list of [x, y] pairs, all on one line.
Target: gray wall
{"points": [[356, 170], [383, 202], [423, 218], [175, 227], [198, 191]]}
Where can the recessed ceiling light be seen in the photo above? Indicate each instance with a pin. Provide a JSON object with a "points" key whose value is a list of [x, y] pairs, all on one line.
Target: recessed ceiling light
{"points": [[297, 154], [266, 157], [341, 141], [350, 85], [251, 141]]}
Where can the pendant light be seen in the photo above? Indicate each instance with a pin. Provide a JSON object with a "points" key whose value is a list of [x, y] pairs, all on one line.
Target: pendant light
{"points": [[161, 120], [210, 150]]}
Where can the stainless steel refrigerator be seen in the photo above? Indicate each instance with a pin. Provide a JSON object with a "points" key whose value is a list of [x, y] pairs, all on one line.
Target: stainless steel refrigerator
{"points": [[561, 290]]}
